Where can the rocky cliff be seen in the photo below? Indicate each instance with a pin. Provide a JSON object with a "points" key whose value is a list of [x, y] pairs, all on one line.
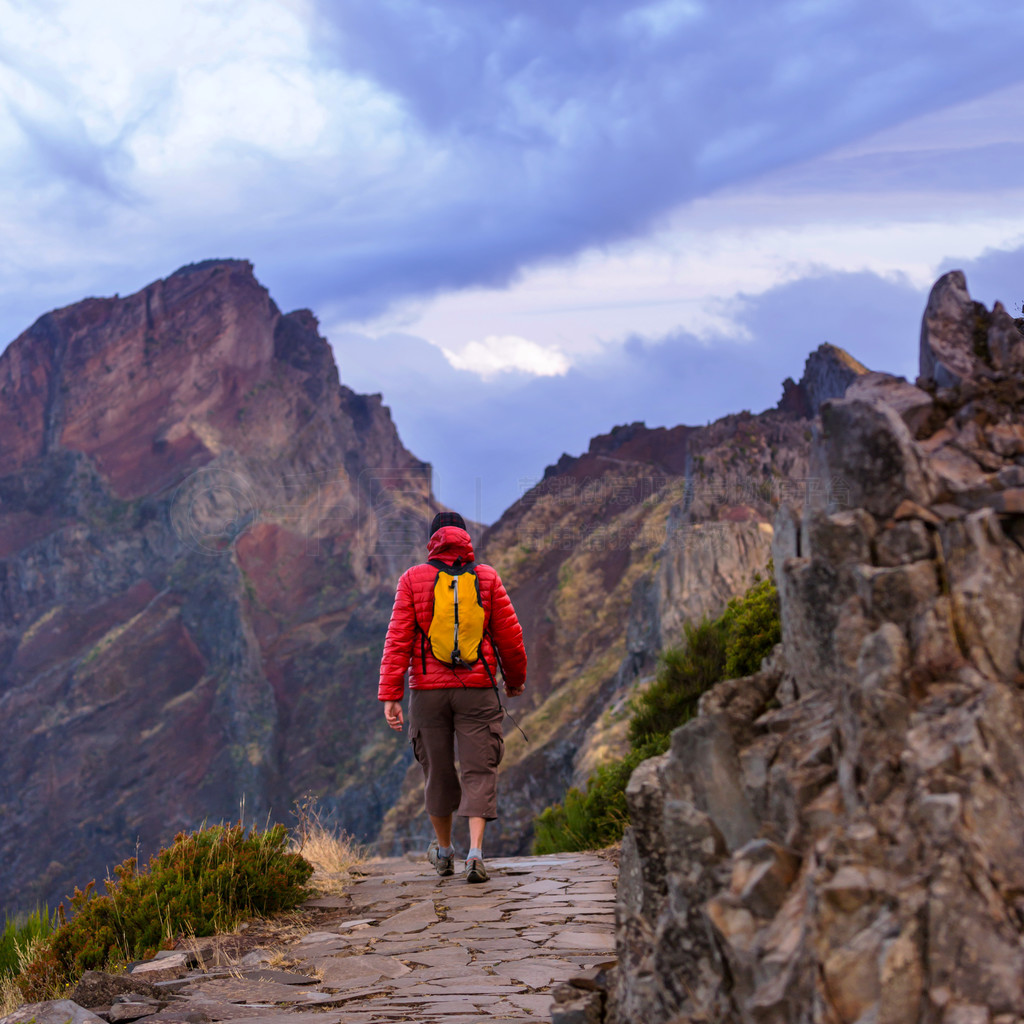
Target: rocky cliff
{"points": [[200, 530], [839, 838], [607, 557]]}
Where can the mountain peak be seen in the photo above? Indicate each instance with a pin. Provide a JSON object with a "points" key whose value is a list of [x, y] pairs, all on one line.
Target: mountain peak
{"points": [[828, 371]]}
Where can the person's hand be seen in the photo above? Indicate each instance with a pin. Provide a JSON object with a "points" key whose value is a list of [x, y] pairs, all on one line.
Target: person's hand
{"points": [[514, 691], [393, 713]]}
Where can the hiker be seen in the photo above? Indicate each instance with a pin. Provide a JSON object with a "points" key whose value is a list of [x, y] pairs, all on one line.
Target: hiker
{"points": [[452, 643]]}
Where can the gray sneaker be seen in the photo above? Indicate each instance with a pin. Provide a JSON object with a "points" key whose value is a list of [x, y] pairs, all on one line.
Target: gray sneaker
{"points": [[445, 865], [475, 870]]}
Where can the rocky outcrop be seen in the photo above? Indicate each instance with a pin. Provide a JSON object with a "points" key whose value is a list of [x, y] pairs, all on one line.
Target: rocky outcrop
{"points": [[200, 529], [839, 837], [828, 372]]}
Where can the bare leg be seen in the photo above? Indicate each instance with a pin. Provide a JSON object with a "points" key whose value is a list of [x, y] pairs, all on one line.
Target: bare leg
{"points": [[443, 829], [476, 833]]}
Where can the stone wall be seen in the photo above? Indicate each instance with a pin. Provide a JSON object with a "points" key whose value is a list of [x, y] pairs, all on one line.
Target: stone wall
{"points": [[840, 838]]}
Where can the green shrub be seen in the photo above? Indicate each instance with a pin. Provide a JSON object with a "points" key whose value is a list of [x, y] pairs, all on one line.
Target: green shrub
{"points": [[595, 818], [18, 935], [204, 882], [686, 672], [729, 647], [755, 628]]}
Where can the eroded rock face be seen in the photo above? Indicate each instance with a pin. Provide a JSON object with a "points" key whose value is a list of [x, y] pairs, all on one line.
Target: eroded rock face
{"points": [[200, 529], [853, 815]]}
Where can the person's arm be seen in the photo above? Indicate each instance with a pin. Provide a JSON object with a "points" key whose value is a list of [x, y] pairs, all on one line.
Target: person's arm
{"points": [[398, 645], [507, 635]]}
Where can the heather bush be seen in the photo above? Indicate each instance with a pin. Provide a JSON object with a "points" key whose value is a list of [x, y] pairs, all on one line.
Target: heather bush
{"points": [[204, 882], [686, 672], [754, 628]]}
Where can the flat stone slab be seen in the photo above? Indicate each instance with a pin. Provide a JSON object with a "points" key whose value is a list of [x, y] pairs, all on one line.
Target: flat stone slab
{"points": [[53, 1011], [316, 938], [242, 990], [345, 971], [206, 1009], [450, 957], [329, 902], [415, 919], [281, 977], [540, 972]]}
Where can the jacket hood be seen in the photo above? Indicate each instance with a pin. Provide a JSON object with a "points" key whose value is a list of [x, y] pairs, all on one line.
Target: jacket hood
{"points": [[451, 544]]}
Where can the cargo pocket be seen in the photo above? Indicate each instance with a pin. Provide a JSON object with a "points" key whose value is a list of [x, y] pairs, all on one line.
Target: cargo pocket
{"points": [[417, 744], [497, 744]]}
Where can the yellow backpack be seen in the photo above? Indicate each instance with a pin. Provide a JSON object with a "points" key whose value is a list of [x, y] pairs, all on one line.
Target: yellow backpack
{"points": [[457, 625]]}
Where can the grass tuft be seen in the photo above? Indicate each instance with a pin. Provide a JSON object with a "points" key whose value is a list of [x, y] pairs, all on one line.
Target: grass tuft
{"points": [[332, 851]]}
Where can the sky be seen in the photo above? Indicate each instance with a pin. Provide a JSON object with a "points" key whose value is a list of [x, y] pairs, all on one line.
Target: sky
{"points": [[526, 222]]}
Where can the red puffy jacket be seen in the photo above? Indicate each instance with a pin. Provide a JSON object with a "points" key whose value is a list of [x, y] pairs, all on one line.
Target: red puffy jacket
{"points": [[414, 605]]}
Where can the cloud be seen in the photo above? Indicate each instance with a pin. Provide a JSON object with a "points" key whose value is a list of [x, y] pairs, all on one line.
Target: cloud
{"points": [[507, 353], [559, 127], [375, 151]]}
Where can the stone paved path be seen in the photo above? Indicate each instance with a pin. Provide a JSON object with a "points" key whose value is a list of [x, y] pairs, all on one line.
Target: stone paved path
{"points": [[428, 949]]}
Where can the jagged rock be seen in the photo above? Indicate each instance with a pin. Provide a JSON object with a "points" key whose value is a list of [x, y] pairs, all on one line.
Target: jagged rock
{"points": [[986, 576], [904, 542], [916, 407], [127, 1009], [715, 788], [953, 334], [868, 447], [1005, 342], [882, 789], [828, 373], [575, 1006]]}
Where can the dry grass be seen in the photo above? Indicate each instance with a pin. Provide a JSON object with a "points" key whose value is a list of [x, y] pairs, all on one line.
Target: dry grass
{"points": [[332, 852], [10, 996]]}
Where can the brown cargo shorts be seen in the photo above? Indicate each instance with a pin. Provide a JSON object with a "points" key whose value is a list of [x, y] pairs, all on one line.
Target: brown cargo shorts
{"points": [[467, 719]]}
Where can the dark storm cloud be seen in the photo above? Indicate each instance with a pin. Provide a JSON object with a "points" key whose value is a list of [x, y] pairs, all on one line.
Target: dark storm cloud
{"points": [[578, 123]]}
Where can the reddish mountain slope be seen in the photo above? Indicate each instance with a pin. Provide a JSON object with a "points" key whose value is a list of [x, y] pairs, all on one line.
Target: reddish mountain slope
{"points": [[200, 529]]}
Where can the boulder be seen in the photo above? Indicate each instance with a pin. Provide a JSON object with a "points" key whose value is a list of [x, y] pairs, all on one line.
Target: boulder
{"points": [[98, 988], [867, 446], [915, 407], [1005, 342]]}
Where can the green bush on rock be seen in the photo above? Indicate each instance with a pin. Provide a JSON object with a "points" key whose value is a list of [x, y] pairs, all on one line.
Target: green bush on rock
{"points": [[204, 882], [731, 646]]}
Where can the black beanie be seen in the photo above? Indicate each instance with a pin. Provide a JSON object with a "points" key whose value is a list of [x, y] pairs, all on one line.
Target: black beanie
{"points": [[447, 519]]}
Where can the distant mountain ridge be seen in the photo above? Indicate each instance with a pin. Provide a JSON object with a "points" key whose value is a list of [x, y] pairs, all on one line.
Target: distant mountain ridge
{"points": [[200, 533]]}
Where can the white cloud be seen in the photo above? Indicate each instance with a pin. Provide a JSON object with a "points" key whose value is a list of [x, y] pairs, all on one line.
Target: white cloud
{"points": [[503, 353]]}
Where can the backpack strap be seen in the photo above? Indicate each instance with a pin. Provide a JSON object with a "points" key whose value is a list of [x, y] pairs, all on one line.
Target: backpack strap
{"points": [[494, 682]]}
